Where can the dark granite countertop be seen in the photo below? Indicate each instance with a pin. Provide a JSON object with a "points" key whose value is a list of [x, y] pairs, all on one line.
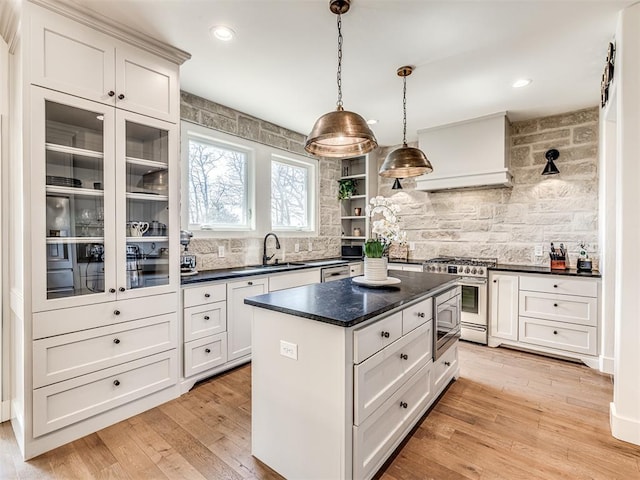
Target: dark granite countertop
{"points": [[345, 303], [237, 272], [533, 269]]}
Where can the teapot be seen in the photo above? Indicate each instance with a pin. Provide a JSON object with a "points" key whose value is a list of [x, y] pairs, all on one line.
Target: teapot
{"points": [[137, 229]]}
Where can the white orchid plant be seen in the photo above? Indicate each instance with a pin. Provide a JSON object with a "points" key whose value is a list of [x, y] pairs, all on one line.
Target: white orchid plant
{"points": [[384, 227]]}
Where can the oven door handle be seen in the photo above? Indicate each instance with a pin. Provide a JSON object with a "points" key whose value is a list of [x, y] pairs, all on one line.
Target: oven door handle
{"points": [[472, 283], [471, 326]]}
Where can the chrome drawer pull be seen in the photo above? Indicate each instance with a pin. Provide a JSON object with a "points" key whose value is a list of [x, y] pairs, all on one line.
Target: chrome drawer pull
{"points": [[116, 341], [116, 312], [403, 404], [447, 364], [207, 350], [404, 356], [116, 382], [206, 317], [385, 334], [207, 295], [421, 314], [249, 283]]}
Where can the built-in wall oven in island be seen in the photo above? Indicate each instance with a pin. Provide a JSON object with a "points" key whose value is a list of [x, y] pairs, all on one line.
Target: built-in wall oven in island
{"points": [[446, 314]]}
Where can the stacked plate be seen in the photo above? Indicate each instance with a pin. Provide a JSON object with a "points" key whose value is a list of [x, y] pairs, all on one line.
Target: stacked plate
{"points": [[63, 181]]}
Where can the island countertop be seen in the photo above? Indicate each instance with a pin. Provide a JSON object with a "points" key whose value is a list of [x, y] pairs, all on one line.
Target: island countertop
{"points": [[346, 304]]}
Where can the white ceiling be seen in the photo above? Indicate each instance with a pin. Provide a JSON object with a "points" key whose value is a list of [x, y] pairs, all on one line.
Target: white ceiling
{"points": [[282, 65]]}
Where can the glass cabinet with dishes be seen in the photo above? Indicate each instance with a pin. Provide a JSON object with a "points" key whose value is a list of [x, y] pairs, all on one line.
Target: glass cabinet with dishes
{"points": [[101, 224]]}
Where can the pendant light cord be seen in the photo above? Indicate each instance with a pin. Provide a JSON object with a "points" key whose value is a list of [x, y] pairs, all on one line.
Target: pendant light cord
{"points": [[404, 112], [339, 103]]}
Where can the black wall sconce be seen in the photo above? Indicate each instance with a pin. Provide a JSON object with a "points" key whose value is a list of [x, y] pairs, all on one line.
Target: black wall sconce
{"points": [[550, 168]]}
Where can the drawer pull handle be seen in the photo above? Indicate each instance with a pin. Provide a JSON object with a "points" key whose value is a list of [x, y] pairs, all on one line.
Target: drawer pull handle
{"points": [[403, 404], [112, 290], [555, 332], [116, 312], [116, 341], [404, 356], [111, 93], [385, 334], [421, 314], [447, 364], [121, 97], [116, 383], [495, 281], [555, 304], [206, 317], [207, 295], [249, 283], [207, 350], [555, 286], [122, 289]]}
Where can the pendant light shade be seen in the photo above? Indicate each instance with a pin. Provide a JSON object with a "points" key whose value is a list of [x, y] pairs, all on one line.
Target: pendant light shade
{"points": [[340, 133], [550, 168], [405, 161]]}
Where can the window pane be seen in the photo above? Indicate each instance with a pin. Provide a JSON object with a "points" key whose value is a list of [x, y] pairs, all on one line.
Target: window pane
{"points": [[217, 185], [289, 195]]}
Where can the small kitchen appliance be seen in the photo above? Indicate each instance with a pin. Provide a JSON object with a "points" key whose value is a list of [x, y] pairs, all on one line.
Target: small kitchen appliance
{"points": [[134, 269], [187, 260], [474, 275]]}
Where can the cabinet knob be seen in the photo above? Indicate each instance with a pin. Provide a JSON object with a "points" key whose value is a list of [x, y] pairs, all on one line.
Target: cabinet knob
{"points": [[122, 289], [404, 356], [116, 312], [555, 332], [207, 350], [403, 404], [206, 317], [116, 382], [385, 334], [121, 96], [447, 364], [116, 341], [495, 281], [112, 290], [421, 314], [111, 93], [555, 304], [207, 295], [249, 283], [555, 286]]}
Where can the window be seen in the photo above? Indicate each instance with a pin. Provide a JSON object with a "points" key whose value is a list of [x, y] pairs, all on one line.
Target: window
{"points": [[291, 187], [219, 182]]}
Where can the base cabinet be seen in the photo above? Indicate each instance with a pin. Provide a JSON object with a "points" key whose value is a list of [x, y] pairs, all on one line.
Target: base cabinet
{"points": [[240, 315]]}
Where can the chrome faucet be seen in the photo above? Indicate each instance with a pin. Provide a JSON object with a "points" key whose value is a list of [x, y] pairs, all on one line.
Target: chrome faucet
{"points": [[265, 259]]}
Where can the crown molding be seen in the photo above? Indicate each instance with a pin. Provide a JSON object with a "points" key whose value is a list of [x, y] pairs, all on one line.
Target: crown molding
{"points": [[10, 22], [74, 11]]}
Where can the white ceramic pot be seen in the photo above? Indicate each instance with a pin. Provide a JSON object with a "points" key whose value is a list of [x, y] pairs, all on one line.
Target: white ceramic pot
{"points": [[375, 269]]}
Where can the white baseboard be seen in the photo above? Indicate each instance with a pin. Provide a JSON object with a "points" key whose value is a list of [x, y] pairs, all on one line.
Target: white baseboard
{"points": [[626, 429], [5, 411], [606, 364]]}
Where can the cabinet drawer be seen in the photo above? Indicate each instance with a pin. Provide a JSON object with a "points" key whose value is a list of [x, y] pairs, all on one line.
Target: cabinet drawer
{"points": [[562, 308], [416, 315], [375, 438], [375, 337], [294, 279], [204, 320], [61, 404], [67, 320], [201, 355], [381, 375], [445, 368], [206, 294], [67, 356], [560, 284], [563, 336]]}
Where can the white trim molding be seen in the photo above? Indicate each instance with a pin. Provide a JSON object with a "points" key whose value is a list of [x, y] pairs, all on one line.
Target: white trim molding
{"points": [[9, 22], [5, 411], [624, 428]]}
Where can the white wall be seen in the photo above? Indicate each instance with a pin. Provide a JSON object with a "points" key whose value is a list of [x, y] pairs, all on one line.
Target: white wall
{"points": [[4, 128]]}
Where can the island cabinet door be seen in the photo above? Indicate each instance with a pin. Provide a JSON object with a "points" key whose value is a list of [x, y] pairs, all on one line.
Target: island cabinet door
{"points": [[239, 315]]}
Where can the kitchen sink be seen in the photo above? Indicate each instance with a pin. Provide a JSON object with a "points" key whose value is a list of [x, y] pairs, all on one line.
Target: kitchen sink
{"points": [[265, 268]]}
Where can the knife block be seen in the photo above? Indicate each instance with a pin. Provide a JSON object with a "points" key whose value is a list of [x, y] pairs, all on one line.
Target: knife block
{"points": [[558, 264]]}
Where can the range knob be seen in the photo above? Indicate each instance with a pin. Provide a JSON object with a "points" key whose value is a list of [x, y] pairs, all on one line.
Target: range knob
{"points": [[480, 271], [473, 271], [466, 270]]}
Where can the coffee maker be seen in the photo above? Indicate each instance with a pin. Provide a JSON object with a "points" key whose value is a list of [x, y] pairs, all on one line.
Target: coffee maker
{"points": [[187, 260]]}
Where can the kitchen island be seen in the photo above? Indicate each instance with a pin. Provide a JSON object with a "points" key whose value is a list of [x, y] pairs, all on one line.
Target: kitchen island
{"points": [[341, 373]]}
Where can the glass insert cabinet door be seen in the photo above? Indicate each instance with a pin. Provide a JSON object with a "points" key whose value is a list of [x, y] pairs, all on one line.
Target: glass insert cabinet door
{"points": [[146, 219], [74, 207]]}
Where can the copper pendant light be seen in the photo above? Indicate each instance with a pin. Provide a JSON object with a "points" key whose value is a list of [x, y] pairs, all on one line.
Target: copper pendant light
{"points": [[405, 161], [340, 133]]}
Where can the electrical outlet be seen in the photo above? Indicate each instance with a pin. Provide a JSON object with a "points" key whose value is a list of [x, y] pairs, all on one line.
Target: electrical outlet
{"points": [[412, 246], [221, 251], [289, 350], [310, 247], [538, 250], [296, 247]]}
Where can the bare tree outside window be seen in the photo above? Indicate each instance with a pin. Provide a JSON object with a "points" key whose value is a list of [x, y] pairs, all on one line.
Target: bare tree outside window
{"points": [[289, 195], [217, 185]]}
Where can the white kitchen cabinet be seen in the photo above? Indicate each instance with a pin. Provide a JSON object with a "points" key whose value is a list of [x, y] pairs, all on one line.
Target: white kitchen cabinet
{"points": [[503, 310], [297, 278], [79, 60], [239, 315], [416, 315], [406, 267], [356, 269], [372, 339], [205, 354]]}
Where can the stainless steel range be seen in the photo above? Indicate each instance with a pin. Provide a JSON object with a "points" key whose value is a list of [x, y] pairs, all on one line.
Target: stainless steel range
{"points": [[474, 275]]}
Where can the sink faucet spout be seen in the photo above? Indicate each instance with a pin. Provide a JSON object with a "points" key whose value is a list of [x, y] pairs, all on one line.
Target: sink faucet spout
{"points": [[266, 258]]}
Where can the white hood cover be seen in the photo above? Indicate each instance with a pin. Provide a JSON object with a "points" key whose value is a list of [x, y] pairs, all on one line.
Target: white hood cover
{"points": [[472, 153]]}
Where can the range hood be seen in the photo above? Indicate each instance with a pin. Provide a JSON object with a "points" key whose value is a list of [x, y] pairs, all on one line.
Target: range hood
{"points": [[472, 153]]}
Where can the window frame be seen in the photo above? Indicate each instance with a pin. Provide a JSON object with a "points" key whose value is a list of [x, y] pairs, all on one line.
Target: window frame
{"points": [[311, 196]]}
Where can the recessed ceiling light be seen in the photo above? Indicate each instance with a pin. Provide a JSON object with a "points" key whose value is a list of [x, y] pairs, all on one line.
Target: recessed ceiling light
{"points": [[222, 33], [372, 121], [523, 82]]}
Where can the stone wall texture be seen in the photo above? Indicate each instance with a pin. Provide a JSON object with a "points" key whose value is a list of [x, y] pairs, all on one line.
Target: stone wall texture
{"points": [[507, 223], [248, 250]]}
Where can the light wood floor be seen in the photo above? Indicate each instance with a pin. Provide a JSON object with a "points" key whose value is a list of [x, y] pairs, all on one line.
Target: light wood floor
{"points": [[510, 416]]}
